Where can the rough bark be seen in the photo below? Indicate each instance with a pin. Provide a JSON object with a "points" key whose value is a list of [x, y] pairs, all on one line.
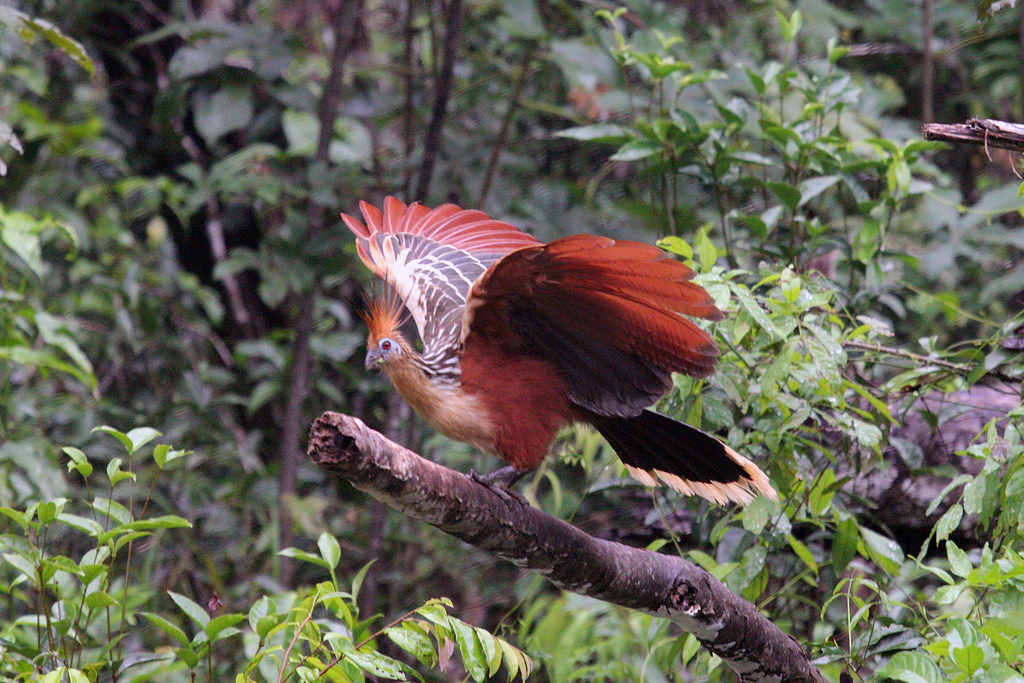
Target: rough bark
{"points": [[985, 132], [501, 524]]}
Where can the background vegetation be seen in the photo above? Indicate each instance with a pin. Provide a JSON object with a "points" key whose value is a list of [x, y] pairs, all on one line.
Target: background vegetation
{"points": [[177, 297]]}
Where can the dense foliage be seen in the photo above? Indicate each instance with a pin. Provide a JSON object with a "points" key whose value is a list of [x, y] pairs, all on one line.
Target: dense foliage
{"points": [[177, 303]]}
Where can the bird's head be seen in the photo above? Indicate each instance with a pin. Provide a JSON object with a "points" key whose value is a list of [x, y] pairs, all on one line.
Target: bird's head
{"points": [[384, 352], [385, 345]]}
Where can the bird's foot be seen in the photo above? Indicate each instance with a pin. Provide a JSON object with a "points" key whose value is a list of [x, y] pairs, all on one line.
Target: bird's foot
{"points": [[500, 480]]}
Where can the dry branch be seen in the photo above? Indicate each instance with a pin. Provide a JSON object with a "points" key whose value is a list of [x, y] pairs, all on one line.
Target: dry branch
{"points": [[985, 132], [661, 585]]}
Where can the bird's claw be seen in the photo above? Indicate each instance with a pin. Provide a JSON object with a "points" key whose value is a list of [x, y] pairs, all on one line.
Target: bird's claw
{"points": [[500, 480]]}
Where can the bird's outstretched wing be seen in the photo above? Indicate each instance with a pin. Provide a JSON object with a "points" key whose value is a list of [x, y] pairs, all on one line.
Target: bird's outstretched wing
{"points": [[431, 257], [608, 315]]}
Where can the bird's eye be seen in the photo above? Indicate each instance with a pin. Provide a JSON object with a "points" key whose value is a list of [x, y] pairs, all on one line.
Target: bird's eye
{"points": [[385, 345]]}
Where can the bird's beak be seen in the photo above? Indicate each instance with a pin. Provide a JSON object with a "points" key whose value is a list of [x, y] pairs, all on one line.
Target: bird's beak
{"points": [[373, 358]]}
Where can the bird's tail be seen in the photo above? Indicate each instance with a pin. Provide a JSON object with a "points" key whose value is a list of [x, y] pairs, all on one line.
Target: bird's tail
{"points": [[657, 449]]}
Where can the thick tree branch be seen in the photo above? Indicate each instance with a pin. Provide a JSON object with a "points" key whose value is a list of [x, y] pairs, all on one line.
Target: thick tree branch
{"points": [[662, 585], [986, 132]]}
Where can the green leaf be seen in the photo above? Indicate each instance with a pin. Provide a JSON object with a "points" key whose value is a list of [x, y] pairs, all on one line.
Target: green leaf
{"points": [[329, 549], [188, 656], [516, 661], [46, 511], [216, 629], [882, 549], [434, 611], [757, 513], [301, 130], [836, 51], [491, 651], [760, 86], [83, 524], [263, 392], [99, 600], [638, 149], [823, 492], [707, 251], [164, 455], [17, 515], [61, 563], [867, 242], [357, 581], [880, 407], [676, 245], [844, 545], [116, 474], [112, 509], [78, 461], [305, 557], [57, 676], [23, 355], [20, 233], [119, 435], [378, 665], [123, 537], [948, 522], [473, 656], [787, 194], [969, 659], [140, 436], [159, 522], [222, 111], [352, 143], [414, 639], [959, 563], [167, 627], [910, 667], [812, 187], [191, 609], [947, 595], [27, 568], [49, 32], [790, 284], [791, 26], [803, 553], [54, 331], [753, 308]]}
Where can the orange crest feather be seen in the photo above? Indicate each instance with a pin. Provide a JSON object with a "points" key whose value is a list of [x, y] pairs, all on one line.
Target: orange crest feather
{"points": [[383, 314]]}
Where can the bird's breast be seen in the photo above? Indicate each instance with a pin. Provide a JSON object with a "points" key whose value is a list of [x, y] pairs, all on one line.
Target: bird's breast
{"points": [[446, 407]]}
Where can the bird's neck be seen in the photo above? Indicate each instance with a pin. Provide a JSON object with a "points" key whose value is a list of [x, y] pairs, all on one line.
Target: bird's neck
{"points": [[412, 382]]}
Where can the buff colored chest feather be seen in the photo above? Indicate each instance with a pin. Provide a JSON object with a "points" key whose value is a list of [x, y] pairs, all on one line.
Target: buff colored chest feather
{"points": [[454, 413]]}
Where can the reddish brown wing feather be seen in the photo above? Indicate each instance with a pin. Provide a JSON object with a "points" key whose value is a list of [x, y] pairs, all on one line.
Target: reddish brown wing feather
{"points": [[608, 315]]}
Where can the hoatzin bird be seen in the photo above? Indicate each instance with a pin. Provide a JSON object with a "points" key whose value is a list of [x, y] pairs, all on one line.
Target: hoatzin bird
{"points": [[520, 338]]}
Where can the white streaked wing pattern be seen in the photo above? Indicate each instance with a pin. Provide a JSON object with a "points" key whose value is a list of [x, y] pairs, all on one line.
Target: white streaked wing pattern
{"points": [[433, 280]]}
